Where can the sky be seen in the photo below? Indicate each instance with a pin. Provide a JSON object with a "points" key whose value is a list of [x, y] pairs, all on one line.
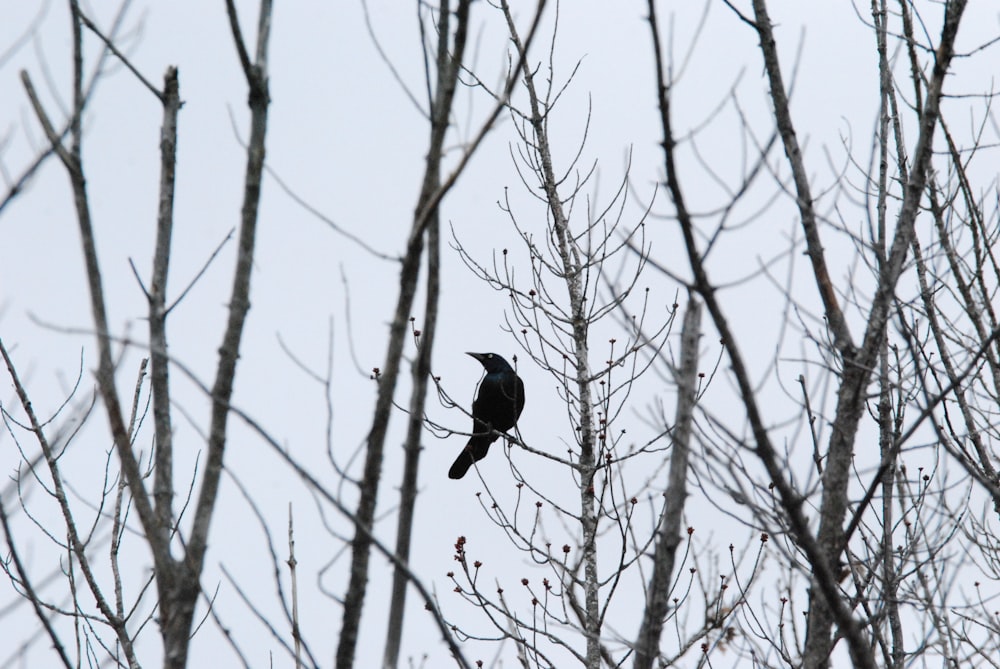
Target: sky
{"points": [[347, 139]]}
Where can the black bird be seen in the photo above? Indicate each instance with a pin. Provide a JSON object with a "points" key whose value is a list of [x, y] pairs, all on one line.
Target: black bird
{"points": [[496, 409]]}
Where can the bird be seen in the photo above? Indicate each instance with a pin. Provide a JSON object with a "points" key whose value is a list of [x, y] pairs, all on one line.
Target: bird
{"points": [[497, 406]]}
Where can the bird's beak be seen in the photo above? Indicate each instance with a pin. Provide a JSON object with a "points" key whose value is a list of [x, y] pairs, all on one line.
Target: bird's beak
{"points": [[477, 356]]}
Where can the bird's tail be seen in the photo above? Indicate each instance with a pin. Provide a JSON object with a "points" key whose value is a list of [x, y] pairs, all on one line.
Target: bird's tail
{"points": [[473, 452]]}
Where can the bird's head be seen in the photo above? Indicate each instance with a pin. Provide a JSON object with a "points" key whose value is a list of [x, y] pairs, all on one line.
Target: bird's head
{"points": [[492, 362]]}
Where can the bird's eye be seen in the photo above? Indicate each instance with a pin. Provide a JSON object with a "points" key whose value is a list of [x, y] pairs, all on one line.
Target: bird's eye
{"points": [[489, 355]]}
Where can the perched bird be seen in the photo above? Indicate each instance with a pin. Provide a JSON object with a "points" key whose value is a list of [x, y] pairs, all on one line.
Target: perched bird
{"points": [[496, 409]]}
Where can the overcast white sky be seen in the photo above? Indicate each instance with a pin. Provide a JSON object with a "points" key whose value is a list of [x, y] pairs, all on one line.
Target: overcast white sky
{"points": [[347, 139]]}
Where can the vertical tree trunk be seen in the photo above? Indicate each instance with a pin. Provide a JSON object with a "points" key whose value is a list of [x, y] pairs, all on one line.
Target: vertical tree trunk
{"points": [[669, 535], [448, 67]]}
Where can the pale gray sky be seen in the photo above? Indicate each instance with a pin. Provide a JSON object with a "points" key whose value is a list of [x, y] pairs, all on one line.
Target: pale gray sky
{"points": [[345, 137]]}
